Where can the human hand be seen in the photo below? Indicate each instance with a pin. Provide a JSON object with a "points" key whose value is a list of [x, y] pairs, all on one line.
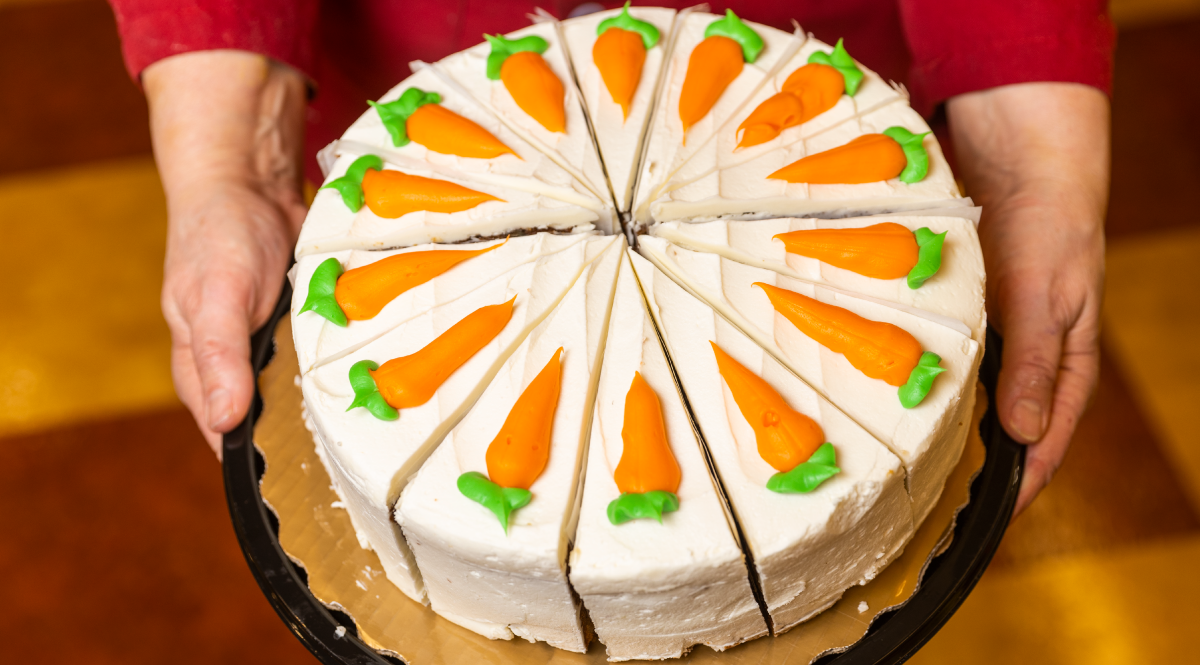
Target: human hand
{"points": [[228, 138], [1036, 157]]}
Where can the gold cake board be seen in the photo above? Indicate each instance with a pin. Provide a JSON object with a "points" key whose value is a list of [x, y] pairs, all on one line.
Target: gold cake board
{"points": [[341, 574]]}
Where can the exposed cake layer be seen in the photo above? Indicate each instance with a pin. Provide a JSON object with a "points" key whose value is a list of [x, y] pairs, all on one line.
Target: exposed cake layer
{"points": [[808, 547], [653, 590]]}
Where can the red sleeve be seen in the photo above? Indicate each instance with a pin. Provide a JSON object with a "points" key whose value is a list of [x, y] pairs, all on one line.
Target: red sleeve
{"points": [[155, 29], [959, 47]]}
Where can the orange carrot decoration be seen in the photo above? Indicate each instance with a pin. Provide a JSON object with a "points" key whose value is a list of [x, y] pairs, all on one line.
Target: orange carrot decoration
{"points": [[520, 451], [810, 91], [620, 52], [411, 380], [878, 349], [418, 116], [362, 292], [880, 251], [788, 440], [648, 474], [392, 194], [896, 153], [533, 85], [714, 64]]}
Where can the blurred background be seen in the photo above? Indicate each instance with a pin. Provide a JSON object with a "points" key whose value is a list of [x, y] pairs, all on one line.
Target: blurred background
{"points": [[115, 543]]}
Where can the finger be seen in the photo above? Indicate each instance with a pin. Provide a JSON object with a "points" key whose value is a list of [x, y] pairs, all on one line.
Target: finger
{"points": [[1033, 342], [221, 353], [1076, 382], [187, 386]]}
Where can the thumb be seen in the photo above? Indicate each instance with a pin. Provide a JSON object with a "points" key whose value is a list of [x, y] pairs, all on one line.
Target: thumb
{"points": [[221, 351], [1032, 351]]}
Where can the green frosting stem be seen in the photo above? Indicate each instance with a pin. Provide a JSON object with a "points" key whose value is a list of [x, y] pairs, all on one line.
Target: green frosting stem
{"points": [[807, 476], [914, 150], [366, 393], [732, 27], [350, 184], [624, 21], [394, 114], [640, 505], [502, 47], [929, 256], [841, 61], [320, 292], [920, 381], [502, 501]]}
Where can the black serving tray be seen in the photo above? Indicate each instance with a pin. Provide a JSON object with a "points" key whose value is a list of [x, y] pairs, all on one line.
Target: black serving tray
{"points": [[892, 639]]}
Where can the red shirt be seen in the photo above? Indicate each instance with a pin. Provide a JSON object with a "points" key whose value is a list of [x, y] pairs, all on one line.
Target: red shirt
{"points": [[355, 50]]}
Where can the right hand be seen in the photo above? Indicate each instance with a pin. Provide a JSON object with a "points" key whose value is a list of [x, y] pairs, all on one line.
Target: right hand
{"points": [[228, 130]]}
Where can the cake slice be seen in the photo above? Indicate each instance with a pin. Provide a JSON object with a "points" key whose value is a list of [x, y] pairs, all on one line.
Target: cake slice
{"points": [[382, 200], [490, 514], [619, 112], [524, 77], [815, 527], [395, 290], [820, 88], [672, 577], [670, 144], [924, 421], [832, 174], [372, 442], [953, 279]]}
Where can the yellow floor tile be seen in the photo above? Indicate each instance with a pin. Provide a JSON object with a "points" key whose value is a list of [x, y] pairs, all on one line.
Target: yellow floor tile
{"points": [[1119, 607], [81, 334], [1152, 323]]}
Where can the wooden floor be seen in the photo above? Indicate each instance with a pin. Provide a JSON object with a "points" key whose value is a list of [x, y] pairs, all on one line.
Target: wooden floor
{"points": [[115, 544]]}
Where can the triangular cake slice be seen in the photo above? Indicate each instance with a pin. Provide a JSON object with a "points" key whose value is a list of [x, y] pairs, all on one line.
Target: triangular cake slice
{"points": [[928, 437], [447, 275], [955, 289], [748, 190], [870, 93], [668, 145], [809, 543], [533, 70], [503, 573], [656, 583], [619, 134], [370, 458], [481, 206]]}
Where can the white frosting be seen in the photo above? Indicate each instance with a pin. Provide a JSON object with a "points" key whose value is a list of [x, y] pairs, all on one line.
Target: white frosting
{"points": [[745, 191], [370, 460], [319, 341], [873, 93], [928, 438], [331, 226], [808, 548], [654, 590], [666, 151], [496, 583], [573, 150], [619, 138], [956, 291]]}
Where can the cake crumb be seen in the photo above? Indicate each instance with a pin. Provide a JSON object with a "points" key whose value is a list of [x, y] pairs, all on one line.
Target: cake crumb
{"points": [[337, 504], [340, 632], [863, 607]]}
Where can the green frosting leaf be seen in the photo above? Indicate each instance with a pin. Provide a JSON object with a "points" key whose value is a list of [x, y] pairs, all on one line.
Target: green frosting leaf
{"points": [[929, 256], [350, 184], [366, 393], [841, 61], [394, 114], [732, 27], [502, 47], [807, 476], [502, 501], [914, 151], [920, 381], [320, 292], [624, 21], [640, 505]]}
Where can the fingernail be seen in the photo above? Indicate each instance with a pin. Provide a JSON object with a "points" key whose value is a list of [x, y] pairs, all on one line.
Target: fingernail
{"points": [[1027, 420], [220, 408]]}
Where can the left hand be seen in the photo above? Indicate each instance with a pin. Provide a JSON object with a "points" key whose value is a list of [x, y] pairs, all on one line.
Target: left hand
{"points": [[1036, 157]]}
